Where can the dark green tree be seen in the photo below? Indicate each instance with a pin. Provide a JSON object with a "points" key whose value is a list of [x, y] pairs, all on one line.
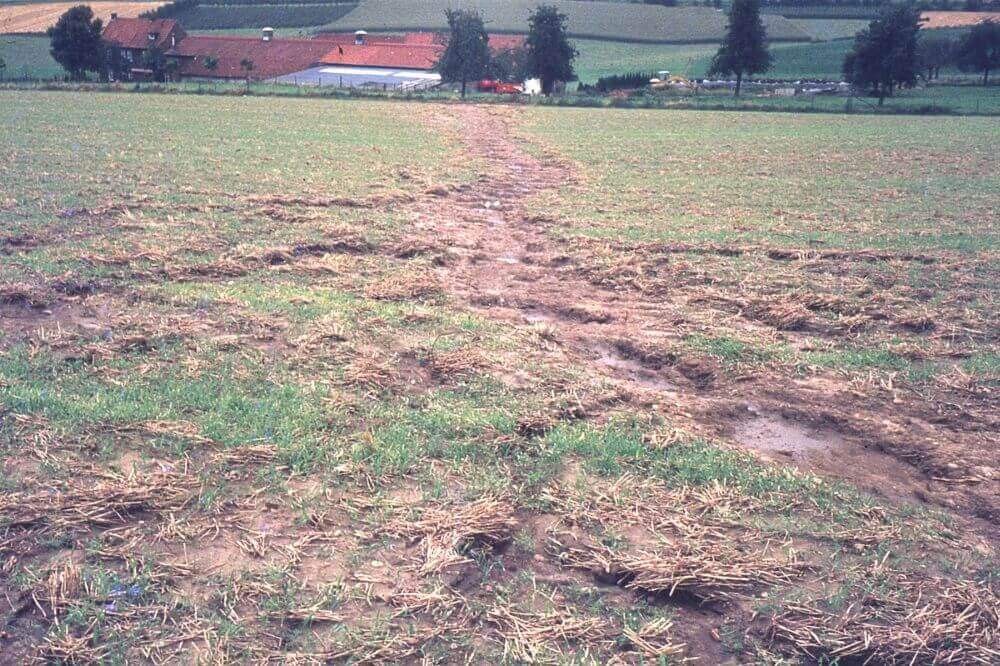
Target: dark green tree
{"points": [[550, 54], [467, 56], [171, 69], [933, 53], [884, 56], [979, 50], [744, 48], [3, 66], [247, 65], [211, 63], [155, 60], [509, 64], [76, 42]]}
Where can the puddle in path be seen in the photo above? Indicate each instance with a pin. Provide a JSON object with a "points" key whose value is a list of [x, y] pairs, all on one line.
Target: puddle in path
{"points": [[828, 453], [634, 371], [538, 317], [20, 321]]}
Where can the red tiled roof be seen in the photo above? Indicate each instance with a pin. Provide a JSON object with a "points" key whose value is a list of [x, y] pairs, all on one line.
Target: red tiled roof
{"points": [[504, 42], [133, 33], [272, 58], [401, 56]]}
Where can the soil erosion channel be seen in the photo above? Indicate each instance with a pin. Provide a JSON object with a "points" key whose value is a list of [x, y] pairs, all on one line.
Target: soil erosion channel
{"points": [[506, 265]]}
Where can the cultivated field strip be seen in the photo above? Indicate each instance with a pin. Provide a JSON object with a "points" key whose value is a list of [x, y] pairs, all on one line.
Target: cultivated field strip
{"points": [[599, 20], [343, 382], [39, 17]]}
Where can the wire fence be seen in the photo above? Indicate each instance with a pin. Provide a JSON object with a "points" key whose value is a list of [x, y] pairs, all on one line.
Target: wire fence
{"points": [[942, 100]]}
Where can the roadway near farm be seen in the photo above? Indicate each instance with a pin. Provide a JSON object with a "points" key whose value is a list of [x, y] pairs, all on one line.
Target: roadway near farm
{"points": [[323, 381]]}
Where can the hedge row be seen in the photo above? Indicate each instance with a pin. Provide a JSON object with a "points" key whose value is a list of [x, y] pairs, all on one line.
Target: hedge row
{"points": [[823, 11]]}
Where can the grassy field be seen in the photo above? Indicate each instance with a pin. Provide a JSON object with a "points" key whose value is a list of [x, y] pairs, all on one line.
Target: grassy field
{"points": [[823, 60], [602, 58], [827, 29], [352, 381], [598, 57], [27, 56]]}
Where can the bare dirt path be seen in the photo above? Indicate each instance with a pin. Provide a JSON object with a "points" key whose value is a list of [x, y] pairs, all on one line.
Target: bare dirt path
{"points": [[506, 265]]}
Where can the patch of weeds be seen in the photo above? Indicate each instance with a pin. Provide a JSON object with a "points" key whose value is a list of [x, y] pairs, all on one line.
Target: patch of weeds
{"points": [[984, 366], [212, 495], [233, 402], [859, 358], [730, 350], [444, 425], [607, 450]]}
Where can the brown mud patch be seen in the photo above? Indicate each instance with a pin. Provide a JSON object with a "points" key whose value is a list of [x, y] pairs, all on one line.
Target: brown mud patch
{"points": [[786, 441], [24, 321]]}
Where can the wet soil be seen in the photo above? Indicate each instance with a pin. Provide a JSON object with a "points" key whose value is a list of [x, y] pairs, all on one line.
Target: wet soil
{"points": [[786, 441], [20, 321], [509, 268]]}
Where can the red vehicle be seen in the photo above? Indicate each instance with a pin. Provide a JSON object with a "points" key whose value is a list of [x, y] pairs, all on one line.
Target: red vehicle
{"points": [[498, 87]]}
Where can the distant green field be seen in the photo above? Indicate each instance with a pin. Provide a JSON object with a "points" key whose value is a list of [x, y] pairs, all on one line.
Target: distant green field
{"points": [[822, 60], [603, 20], [602, 58], [822, 29], [27, 56], [791, 61], [599, 58]]}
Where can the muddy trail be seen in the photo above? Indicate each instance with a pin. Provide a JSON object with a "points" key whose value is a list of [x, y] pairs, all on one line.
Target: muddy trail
{"points": [[505, 263]]}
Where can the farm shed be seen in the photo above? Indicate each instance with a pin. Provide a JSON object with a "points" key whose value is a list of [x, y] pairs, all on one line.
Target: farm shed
{"points": [[390, 61], [400, 62]]}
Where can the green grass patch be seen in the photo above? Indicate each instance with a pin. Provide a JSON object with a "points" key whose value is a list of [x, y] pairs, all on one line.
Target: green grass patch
{"points": [[28, 57]]}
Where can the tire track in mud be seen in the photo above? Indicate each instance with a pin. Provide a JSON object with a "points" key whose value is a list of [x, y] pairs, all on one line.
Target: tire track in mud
{"points": [[507, 266]]}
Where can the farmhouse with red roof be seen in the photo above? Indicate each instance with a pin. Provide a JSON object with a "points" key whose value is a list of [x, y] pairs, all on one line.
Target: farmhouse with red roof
{"points": [[346, 59], [133, 38]]}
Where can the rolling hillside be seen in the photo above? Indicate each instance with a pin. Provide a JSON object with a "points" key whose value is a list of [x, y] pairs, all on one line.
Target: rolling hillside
{"points": [[600, 20]]}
